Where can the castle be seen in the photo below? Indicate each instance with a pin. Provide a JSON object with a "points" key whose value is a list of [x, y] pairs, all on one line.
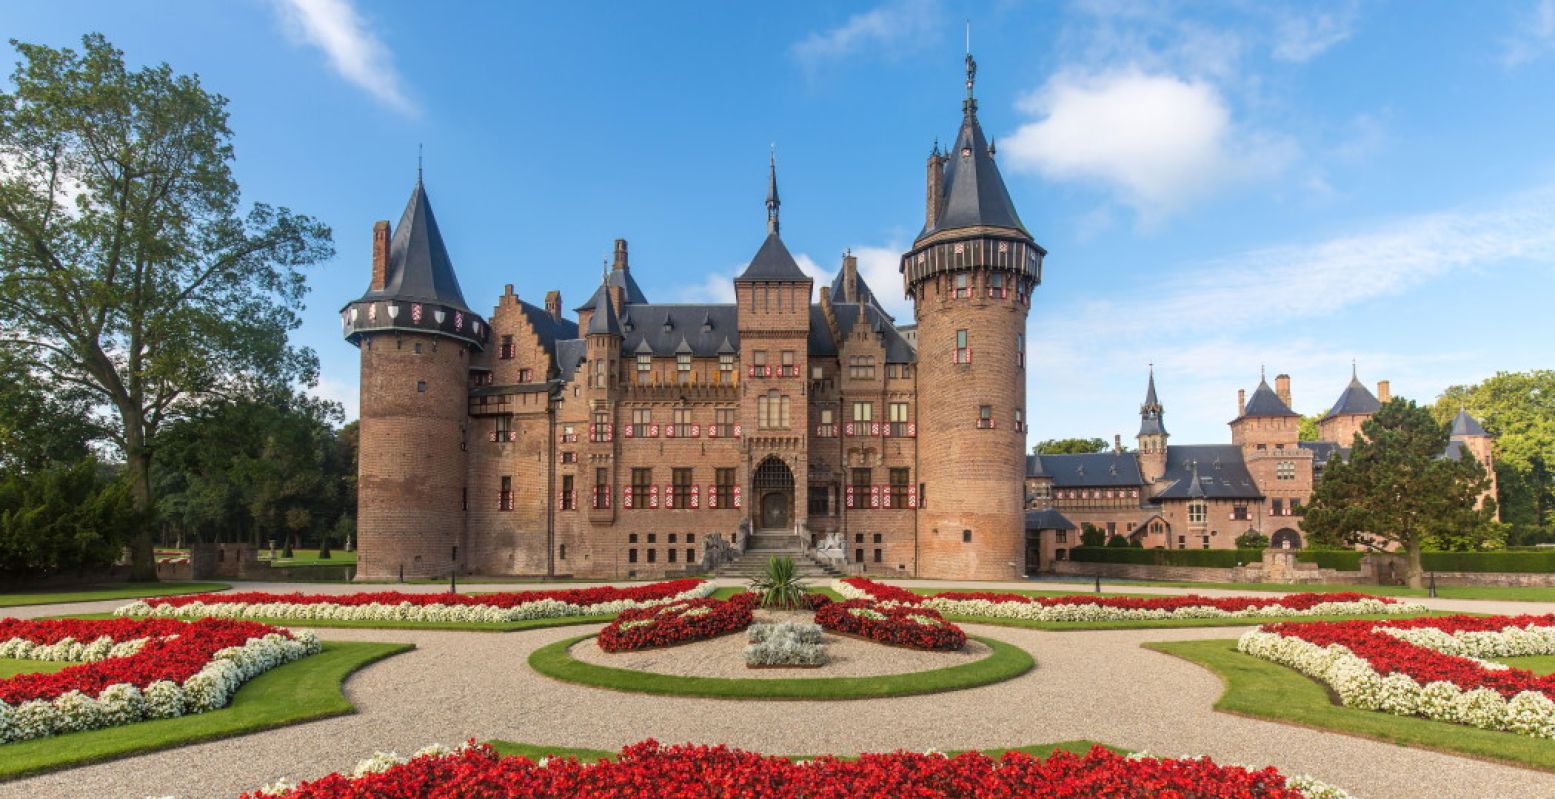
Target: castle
{"points": [[1203, 496], [616, 446]]}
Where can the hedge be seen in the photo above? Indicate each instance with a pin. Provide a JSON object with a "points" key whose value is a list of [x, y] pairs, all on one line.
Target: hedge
{"points": [[1347, 560], [1488, 561], [1342, 560], [1213, 558]]}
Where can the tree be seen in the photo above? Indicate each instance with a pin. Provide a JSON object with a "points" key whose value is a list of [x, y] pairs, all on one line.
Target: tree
{"points": [[39, 428], [1069, 446], [1395, 489], [1252, 539], [130, 272], [62, 518], [1091, 535], [1117, 542], [1308, 431], [1518, 409]]}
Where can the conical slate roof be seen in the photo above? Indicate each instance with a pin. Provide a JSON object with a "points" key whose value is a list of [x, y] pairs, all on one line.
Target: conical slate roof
{"points": [[1465, 425], [1355, 399], [973, 193], [604, 320], [772, 262], [1150, 398], [1264, 402], [419, 269]]}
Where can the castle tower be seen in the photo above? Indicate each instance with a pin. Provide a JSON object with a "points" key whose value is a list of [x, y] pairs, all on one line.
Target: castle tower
{"points": [[1152, 434], [970, 273], [416, 335], [1355, 405], [1472, 438], [772, 299]]}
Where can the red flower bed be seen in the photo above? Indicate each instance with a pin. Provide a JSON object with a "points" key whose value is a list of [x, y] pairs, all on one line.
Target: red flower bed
{"points": [[572, 596], [677, 623], [690, 772], [895, 625], [176, 651], [889, 593]]}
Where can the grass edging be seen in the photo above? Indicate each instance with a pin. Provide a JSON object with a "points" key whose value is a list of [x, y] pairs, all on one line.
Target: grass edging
{"points": [[299, 691], [388, 624], [1167, 624], [113, 591], [584, 755], [1261, 689], [1006, 662]]}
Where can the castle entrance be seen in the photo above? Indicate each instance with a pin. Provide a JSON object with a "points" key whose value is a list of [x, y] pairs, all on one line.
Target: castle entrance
{"points": [[773, 483]]}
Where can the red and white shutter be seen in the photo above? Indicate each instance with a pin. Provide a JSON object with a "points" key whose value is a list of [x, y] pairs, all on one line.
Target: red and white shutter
{"points": [[912, 496], [696, 496], [669, 496], [874, 496], [653, 430], [737, 496], [630, 430], [847, 429], [874, 428], [912, 429], [696, 430], [712, 496], [849, 498], [653, 496], [736, 435], [669, 431]]}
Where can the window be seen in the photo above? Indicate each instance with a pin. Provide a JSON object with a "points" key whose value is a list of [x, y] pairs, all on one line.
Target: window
{"points": [[1285, 470], [1060, 536], [790, 369], [820, 500], [1020, 421], [723, 489], [966, 536], [772, 411], [682, 371], [877, 556], [963, 348], [601, 372], [898, 419], [682, 422], [631, 555], [828, 427], [568, 456], [1205, 539], [996, 288], [505, 494], [726, 368], [526, 375], [506, 352], [672, 555], [863, 411], [861, 367], [642, 487], [569, 498], [985, 417], [817, 373], [858, 488], [1277, 507], [759, 366], [1020, 350], [601, 428], [569, 435], [421, 386], [504, 427], [681, 495], [653, 555], [642, 421], [900, 480], [418, 348], [601, 488], [1198, 512], [963, 285], [1239, 513], [644, 369], [723, 422]]}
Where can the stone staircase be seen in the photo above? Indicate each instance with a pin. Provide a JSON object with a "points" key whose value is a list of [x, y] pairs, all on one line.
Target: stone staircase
{"points": [[764, 546]]}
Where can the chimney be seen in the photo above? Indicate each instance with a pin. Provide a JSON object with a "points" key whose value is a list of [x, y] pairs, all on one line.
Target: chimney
{"points": [[1117, 442], [1282, 388], [620, 264], [1384, 390], [380, 254], [850, 277], [1241, 402], [935, 183], [553, 304]]}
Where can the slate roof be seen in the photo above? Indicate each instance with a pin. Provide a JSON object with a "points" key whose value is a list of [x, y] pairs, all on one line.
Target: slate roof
{"points": [[419, 269], [1455, 451], [1264, 402], [863, 294], [1150, 421], [1323, 451], [1222, 474], [1465, 425], [604, 321], [1049, 519], [703, 327], [897, 350], [569, 354], [550, 330], [1355, 399], [973, 192], [772, 262], [821, 343], [1100, 469]]}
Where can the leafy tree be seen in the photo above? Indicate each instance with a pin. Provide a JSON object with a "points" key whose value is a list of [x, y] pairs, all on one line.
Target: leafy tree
{"points": [[1091, 535], [1070, 446], [1117, 542], [1252, 539], [63, 518], [1308, 431], [40, 428], [1396, 490], [1518, 409], [130, 271]]}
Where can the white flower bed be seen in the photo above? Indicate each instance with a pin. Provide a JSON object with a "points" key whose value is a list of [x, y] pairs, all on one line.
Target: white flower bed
{"points": [[1033, 611], [122, 703], [1361, 686], [404, 611]]}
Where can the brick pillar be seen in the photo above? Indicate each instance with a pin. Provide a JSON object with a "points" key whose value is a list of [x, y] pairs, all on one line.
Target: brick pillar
{"points": [[380, 254]]}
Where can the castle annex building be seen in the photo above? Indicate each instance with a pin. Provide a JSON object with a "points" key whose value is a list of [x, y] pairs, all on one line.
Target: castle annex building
{"points": [[526, 443]]}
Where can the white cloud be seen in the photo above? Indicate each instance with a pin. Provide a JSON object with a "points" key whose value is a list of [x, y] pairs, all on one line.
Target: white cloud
{"points": [[1300, 38], [1535, 36], [1158, 140], [886, 29], [719, 286], [338, 390], [338, 29]]}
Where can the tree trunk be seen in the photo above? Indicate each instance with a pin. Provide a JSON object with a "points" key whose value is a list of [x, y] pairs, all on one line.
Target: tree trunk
{"points": [[143, 562], [1414, 572]]}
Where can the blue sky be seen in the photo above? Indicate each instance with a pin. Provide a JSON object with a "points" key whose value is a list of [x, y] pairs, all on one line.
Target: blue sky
{"points": [[1221, 186]]}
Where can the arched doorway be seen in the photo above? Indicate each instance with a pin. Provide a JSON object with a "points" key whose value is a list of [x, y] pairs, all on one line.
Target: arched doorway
{"points": [[1285, 538], [773, 485]]}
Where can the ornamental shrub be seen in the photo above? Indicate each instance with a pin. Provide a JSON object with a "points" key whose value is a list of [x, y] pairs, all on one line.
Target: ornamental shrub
{"points": [[1091, 535], [1117, 542]]}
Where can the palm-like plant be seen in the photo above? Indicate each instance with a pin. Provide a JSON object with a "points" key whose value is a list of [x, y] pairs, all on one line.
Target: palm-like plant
{"points": [[780, 588]]}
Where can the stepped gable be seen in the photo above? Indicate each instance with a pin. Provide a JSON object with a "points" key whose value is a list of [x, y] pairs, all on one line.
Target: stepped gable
{"points": [[897, 350]]}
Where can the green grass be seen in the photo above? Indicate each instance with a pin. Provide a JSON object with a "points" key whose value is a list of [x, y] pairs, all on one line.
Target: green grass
{"points": [[1165, 624], [1006, 662], [300, 691], [104, 591], [475, 627], [1496, 593], [535, 751], [309, 557], [10, 667], [1538, 664], [1260, 689]]}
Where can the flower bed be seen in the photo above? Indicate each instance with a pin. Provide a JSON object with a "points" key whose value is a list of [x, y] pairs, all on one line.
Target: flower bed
{"points": [[789, 645], [677, 623], [648, 769], [1433, 668], [912, 626], [134, 669], [1091, 608], [400, 606]]}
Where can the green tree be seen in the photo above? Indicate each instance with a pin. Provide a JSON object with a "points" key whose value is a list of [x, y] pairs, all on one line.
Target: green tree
{"points": [[1518, 410], [130, 270], [1308, 431], [63, 518], [1252, 539], [1117, 541], [1091, 535], [1395, 489], [1069, 446], [40, 428]]}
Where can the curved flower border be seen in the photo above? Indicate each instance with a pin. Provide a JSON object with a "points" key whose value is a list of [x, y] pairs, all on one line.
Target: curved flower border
{"points": [[1089, 608], [1434, 668], [650, 770], [134, 670], [399, 606], [677, 623], [910, 626]]}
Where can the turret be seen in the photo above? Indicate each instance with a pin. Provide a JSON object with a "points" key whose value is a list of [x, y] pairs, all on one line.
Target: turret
{"points": [[1468, 436], [970, 273], [1264, 421], [416, 335], [1355, 405], [1152, 434]]}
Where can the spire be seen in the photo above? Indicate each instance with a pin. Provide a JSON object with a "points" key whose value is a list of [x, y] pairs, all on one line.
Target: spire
{"points": [[1464, 425], [1150, 398], [972, 192], [418, 268], [772, 192], [1355, 399], [1195, 487], [604, 320], [1150, 413]]}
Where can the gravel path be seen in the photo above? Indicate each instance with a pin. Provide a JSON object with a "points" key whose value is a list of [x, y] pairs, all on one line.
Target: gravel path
{"points": [[1097, 685]]}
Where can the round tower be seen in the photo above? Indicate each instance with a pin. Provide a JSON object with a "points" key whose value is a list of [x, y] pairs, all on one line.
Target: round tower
{"points": [[970, 274], [416, 335]]}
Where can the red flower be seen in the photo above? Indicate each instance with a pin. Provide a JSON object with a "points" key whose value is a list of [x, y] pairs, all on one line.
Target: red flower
{"points": [[896, 625], [677, 623], [890, 593], [572, 596]]}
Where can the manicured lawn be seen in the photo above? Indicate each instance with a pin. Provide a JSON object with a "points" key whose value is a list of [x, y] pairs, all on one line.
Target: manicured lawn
{"points": [[1264, 690], [1006, 662], [309, 557], [1538, 664], [1162, 624], [104, 591], [477, 627], [10, 667], [535, 752], [1444, 592], [300, 691]]}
